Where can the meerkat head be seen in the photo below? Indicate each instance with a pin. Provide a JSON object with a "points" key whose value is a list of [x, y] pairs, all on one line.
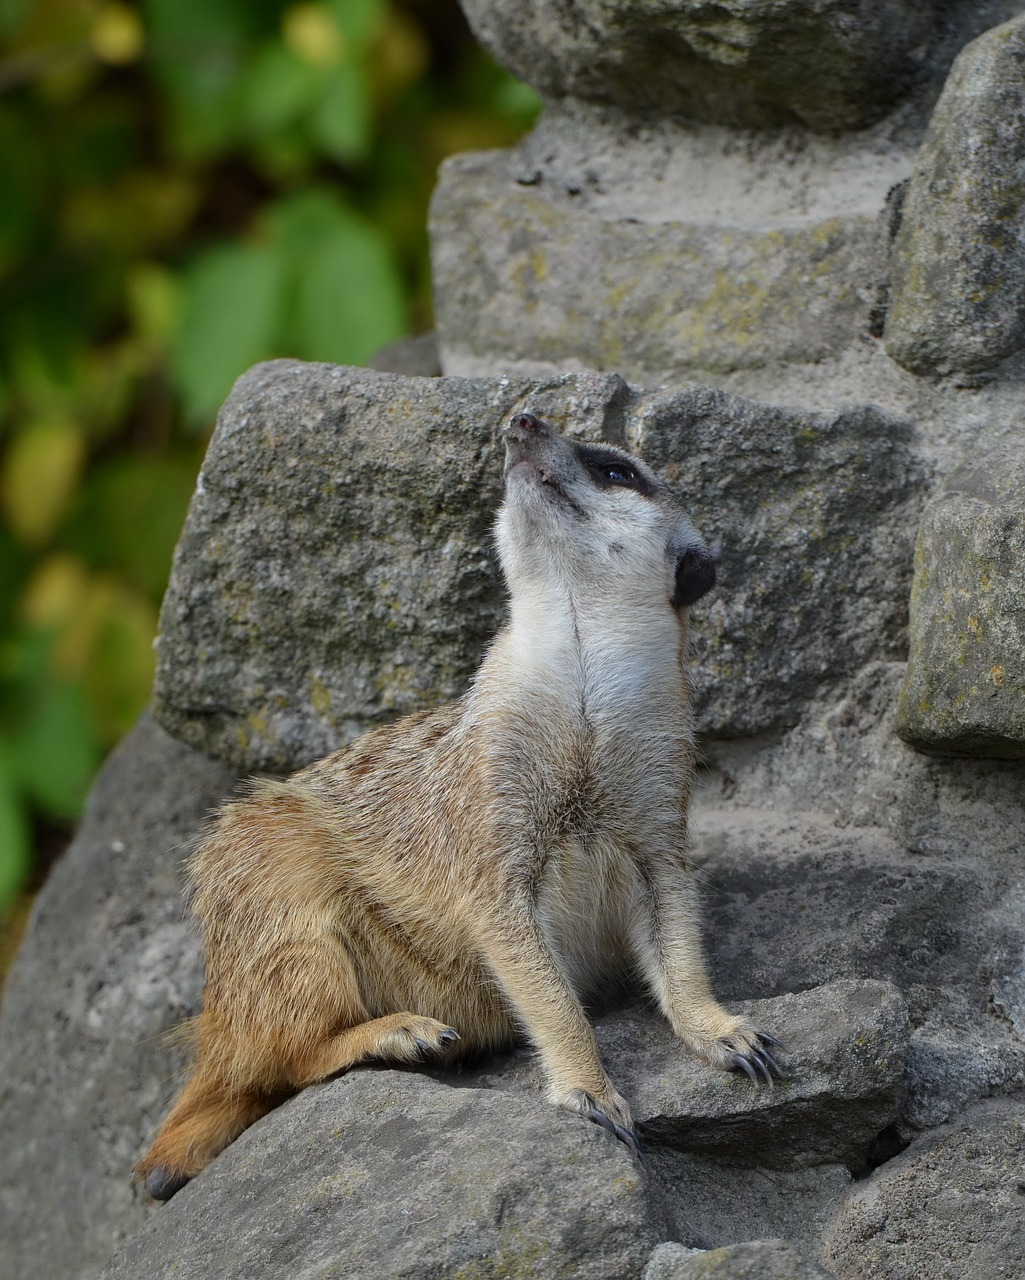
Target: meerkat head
{"points": [[594, 515]]}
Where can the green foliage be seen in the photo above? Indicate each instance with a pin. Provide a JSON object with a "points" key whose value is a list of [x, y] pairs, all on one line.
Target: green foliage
{"points": [[186, 187]]}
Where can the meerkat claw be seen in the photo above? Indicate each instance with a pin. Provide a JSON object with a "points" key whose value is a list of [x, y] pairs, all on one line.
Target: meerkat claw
{"points": [[771, 1063], [627, 1137], [429, 1048], [741, 1062], [758, 1064]]}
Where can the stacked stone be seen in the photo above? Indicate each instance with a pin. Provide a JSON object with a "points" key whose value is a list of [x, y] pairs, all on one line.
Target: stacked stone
{"points": [[781, 247]]}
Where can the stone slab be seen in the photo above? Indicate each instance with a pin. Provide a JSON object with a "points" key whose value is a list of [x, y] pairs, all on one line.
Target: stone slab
{"points": [[949, 1207], [388, 1173], [739, 62], [957, 298], [336, 570], [526, 271], [964, 691], [109, 964]]}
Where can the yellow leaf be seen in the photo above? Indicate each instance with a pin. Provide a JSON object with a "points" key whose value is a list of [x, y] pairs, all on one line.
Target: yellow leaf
{"points": [[119, 672], [154, 302], [311, 32], [39, 475], [401, 54], [116, 35], [54, 593]]}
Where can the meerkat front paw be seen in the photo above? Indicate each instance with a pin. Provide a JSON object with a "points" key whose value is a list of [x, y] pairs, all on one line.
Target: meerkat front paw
{"points": [[754, 1059], [735, 1044], [611, 1112]]}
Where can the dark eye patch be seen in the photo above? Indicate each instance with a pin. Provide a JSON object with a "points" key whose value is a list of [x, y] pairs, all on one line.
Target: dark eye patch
{"points": [[611, 470]]}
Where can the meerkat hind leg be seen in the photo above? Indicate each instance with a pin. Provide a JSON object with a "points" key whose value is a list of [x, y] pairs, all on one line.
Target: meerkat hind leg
{"points": [[396, 1037]]}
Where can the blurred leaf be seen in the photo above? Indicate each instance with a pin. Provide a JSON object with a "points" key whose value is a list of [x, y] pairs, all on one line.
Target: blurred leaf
{"points": [[130, 514], [312, 33], [14, 564], [54, 592], [15, 845], [231, 306], [516, 100], [56, 750], [401, 54], [350, 299], [120, 671], [342, 120], [301, 223], [12, 13], [116, 35], [276, 89], [198, 50], [153, 296], [360, 21], [40, 471], [137, 212]]}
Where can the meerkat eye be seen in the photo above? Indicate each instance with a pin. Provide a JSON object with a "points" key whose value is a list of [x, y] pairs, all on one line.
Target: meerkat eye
{"points": [[618, 473]]}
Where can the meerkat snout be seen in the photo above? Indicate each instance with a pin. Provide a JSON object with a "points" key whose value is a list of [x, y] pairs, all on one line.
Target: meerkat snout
{"points": [[473, 874]]}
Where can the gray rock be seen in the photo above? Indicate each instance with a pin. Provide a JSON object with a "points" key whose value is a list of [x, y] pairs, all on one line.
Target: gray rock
{"points": [[739, 62], [958, 284], [844, 1047], [797, 900], [843, 769], [387, 1173], [528, 272], [949, 1207], [812, 512], [107, 967], [664, 1261], [752, 1260], [954, 1064], [331, 576], [1007, 983], [721, 1202], [335, 569], [965, 686], [415, 357]]}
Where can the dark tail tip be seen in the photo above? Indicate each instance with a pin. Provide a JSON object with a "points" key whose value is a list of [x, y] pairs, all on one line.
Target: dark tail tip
{"points": [[162, 1183]]}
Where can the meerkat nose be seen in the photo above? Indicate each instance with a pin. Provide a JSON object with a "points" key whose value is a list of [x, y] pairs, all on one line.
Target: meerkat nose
{"points": [[522, 426]]}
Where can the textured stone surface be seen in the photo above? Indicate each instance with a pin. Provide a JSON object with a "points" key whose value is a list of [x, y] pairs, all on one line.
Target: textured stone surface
{"points": [[958, 284], [965, 685], [390, 1174], [752, 1260], [949, 1208], [108, 965], [844, 1050], [812, 514], [794, 900], [335, 568], [536, 274], [742, 62], [844, 1046], [415, 357]]}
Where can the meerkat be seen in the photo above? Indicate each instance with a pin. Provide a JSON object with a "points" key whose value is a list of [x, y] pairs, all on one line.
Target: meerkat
{"points": [[475, 873]]}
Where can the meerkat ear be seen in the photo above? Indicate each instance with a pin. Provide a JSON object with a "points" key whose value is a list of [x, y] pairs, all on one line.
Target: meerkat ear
{"points": [[695, 575]]}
